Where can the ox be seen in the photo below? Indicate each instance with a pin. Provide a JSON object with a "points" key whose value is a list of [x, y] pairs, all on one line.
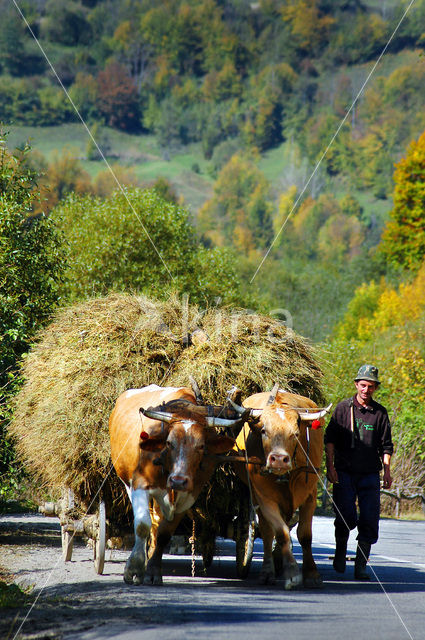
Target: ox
{"points": [[278, 433], [162, 448]]}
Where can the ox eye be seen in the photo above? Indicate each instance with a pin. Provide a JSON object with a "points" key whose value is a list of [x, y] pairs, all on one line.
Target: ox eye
{"points": [[169, 445], [263, 431]]}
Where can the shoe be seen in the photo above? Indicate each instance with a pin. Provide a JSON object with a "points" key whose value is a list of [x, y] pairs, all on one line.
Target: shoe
{"points": [[362, 556], [340, 555]]}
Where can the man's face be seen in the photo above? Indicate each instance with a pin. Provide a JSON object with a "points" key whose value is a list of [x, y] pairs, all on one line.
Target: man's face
{"points": [[365, 389]]}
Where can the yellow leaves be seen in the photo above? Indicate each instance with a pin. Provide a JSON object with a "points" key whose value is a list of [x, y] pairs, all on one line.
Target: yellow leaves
{"points": [[403, 239], [239, 210], [163, 74], [392, 308], [223, 84], [308, 26], [340, 236], [123, 33], [286, 203]]}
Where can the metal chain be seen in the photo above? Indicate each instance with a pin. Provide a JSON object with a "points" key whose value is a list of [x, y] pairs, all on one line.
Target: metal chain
{"points": [[192, 542]]}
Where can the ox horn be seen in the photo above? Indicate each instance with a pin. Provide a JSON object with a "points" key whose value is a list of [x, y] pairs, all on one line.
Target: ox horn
{"points": [[316, 415], [234, 392], [212, 421], [273, 394], [196, 391], [163, 416]]}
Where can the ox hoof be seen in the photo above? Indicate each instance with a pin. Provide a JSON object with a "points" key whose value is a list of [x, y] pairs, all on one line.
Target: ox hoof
{"points": [[133, 573], [267, 578], [292, 577], [155, 580], [315, 582], [130, 578], [292, 583]]}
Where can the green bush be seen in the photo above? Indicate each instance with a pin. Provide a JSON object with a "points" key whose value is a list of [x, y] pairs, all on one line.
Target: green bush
{"points": [[138, 241], [31, 265]]}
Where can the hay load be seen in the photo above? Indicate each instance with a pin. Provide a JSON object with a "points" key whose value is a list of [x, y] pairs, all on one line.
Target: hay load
{"points": [[93, 351]]}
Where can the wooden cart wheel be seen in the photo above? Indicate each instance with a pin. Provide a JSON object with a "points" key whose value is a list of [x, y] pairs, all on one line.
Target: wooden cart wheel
{"points": [[245, 545], [99, 543], [67, 537]]}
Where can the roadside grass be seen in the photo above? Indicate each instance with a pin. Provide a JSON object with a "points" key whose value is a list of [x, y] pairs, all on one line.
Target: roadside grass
{"points": [[12, 595], [418, 515], [18, 506]]}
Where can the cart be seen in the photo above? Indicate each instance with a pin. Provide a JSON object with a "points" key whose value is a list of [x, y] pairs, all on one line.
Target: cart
{"points": [[207, 520], [93, 526]]}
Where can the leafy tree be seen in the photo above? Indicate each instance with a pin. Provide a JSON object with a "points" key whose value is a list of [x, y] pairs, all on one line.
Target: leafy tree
{"points": [[84, 94], [403, 240], [105, 184], [304, 225], [263, 127], [32, 259], [117, 98], [341, 237], [316, 136], [240, 211], [310, 28], [286, 204], [360, 37], [138, 241], [165, 190], [66, 23], [17, 56], [63, 176], [222, 84]]}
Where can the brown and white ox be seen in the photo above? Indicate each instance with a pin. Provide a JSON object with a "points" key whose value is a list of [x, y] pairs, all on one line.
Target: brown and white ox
{"points": [[279, 434], [162, 447]]}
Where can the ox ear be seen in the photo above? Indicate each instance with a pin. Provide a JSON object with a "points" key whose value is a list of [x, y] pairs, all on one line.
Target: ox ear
{"points": [[311, 415], [221, 444], [254, 421], [152, 444]]}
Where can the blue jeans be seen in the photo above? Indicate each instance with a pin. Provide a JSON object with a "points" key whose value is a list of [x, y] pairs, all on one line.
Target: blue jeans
{"points": [[364, 487]]}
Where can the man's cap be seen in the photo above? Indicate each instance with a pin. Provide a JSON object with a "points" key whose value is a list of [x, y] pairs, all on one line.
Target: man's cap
{"points": [[368, 372]]}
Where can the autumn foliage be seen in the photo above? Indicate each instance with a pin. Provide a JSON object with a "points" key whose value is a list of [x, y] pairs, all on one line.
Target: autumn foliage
{"points": [[404, 237], [117, 98]]}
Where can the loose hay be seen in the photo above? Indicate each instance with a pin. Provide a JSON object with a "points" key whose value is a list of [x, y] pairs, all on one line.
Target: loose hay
{"points": [[95, 350]]}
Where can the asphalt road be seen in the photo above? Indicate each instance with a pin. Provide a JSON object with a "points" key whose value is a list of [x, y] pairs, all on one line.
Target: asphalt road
{"points": [[74, 603]]}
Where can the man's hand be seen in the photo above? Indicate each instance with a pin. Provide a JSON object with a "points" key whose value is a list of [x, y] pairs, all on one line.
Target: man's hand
{"points": [[331, 474], [387, 478]]}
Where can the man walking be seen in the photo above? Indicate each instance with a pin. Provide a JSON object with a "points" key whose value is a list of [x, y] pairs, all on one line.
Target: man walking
{"points": [[357, 441]]}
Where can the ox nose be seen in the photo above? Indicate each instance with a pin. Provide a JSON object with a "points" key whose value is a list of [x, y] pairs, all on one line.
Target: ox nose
{"points": [[279, 461], [178, 482]]}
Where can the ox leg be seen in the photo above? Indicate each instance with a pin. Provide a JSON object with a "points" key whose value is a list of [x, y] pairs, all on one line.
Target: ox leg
{"points": [[153, 575], [135, 565], [311, 577], [273, 526], [267, 573]]}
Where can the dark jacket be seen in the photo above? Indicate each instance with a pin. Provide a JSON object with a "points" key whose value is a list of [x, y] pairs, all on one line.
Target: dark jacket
{"points": [[360, 451]]}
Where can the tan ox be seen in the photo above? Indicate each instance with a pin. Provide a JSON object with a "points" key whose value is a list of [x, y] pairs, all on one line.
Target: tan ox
{"points": [[159, 438], [279, 435]]}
